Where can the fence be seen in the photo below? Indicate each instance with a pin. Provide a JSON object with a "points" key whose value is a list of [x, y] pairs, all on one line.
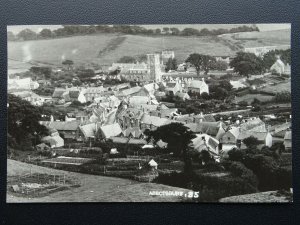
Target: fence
{"points": [[39, 184]]}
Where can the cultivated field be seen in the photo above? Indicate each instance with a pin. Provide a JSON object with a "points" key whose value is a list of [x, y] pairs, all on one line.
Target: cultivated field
{"points": [[105, 49], [92, 188]]}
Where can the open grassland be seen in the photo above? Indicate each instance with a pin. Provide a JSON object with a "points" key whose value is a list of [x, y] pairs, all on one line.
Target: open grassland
{"points": [[259, 39], [93, 188], [105, 49], [284, 86]]}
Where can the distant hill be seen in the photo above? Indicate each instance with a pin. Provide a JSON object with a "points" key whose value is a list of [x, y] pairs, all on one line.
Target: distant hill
{"points": [[105, 49]]}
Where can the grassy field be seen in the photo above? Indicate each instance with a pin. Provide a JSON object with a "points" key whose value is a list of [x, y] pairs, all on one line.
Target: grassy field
{"points": [[93, 188], [250, 97], [104, 49], [257, 39], [285, 86]]}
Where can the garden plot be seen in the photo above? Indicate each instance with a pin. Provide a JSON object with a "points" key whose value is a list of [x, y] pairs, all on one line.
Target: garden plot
{"points": [[39, 184], [76, 161]]}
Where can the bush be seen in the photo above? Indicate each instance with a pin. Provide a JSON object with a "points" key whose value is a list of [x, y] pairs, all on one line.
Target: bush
{"points": [[236, 155]]}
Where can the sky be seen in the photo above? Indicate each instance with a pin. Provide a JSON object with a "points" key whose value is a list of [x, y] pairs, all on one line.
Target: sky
{"points": [[262, 27]]}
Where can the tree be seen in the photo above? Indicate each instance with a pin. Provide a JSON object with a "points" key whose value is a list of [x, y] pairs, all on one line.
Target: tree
{"points": [[68, 63], [199, 61], [171, 64], [11, 36], [27, 34], [166, 30], [157, 31], [270, 57], [127, 59], [247, 63], [174, 31], [219, 65], [23, 121], [220, 93], [205, 32], [189, 32], [226, 85], [251, 142], [283, 97], [178, 138], [46, 33], [85, 74], [41, 71]]}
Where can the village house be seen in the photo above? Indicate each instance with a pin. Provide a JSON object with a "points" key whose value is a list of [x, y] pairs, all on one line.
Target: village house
{"points": [[163, 111], [132, 132], [89, 131], [129, 117], [69, 131], [21, 84], [264, 138], [183, 96], [54, 140], [44, 83], [172, 88], [152, 122], [58, 94], [229, 140], [253, 124], [42, 147], [93, 92], [134, 91], [151, 88], [280, 130], [30, 96], [288, 140], [109, 131], [214, 129], [198, 86], [206, 142]]}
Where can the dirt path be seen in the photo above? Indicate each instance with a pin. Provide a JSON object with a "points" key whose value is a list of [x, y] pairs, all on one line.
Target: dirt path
{"points": [[93, 188]]}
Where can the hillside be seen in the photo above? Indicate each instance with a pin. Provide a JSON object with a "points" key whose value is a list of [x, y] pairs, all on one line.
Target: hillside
{"points": [[104, 49], [93, 188], [257, 39]]}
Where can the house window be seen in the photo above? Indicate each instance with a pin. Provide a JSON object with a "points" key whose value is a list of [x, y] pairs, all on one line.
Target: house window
{"points": [[228, 138]]}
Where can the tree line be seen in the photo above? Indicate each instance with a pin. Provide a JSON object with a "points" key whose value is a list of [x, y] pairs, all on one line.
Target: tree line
{"points": [[73, 30]]}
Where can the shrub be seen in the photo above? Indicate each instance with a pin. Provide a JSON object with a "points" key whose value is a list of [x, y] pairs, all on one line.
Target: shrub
{"points": [[236, 155]]}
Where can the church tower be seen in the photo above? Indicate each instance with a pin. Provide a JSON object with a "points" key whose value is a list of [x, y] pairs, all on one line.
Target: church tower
{"points": [[154, 67]]}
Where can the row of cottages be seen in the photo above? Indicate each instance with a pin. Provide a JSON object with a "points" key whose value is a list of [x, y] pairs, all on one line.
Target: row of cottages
{"points": [[134, 91], [31, 97], [82, 95], [18, 84], [69, 131], [135, 117], [180, 88], [192, 118]]}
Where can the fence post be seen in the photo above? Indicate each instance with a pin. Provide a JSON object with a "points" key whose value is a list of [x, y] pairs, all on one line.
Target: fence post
{"points": [[64, 179]]}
